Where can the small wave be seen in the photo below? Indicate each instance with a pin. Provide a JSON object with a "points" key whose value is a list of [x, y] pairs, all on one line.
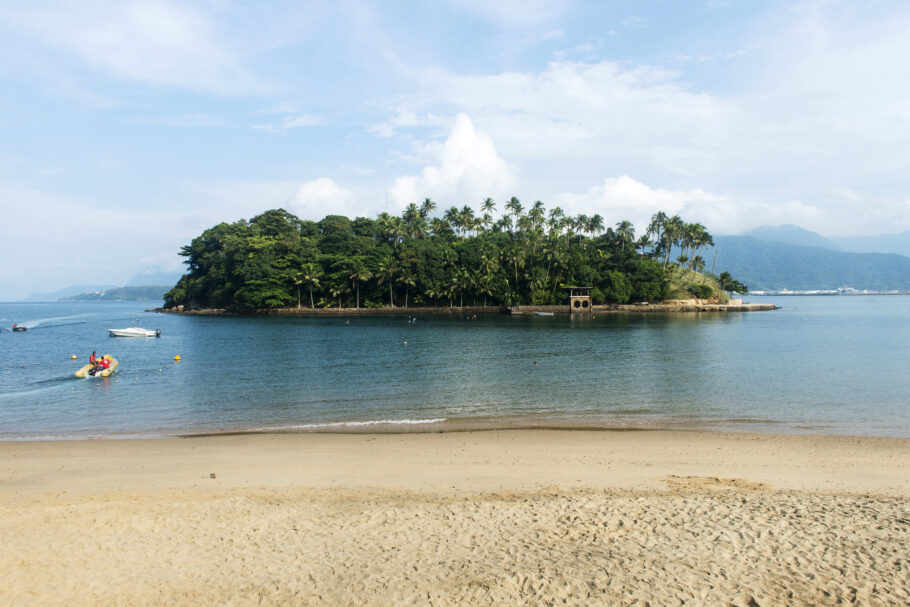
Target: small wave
{"points": [[377, 422]]}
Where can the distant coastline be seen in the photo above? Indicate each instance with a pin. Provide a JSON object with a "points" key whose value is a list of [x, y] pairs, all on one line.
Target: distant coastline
{"points": [[826, 292], [143, 293]]}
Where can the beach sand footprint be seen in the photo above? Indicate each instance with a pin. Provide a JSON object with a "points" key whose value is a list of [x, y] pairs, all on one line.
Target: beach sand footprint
{"points": [[711, 482]]}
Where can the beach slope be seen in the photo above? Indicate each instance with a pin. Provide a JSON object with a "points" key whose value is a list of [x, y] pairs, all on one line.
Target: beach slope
{"points": [[460, 518]]}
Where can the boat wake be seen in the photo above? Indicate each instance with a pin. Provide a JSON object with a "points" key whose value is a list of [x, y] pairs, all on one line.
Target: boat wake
{"points": [[54, 321], [38, 386]]}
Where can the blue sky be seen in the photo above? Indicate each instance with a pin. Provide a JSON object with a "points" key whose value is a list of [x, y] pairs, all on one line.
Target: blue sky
{"points": [[126, 128]]}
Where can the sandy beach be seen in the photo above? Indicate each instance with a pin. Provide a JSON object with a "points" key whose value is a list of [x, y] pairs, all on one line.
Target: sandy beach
{"points": [[461, 518]]}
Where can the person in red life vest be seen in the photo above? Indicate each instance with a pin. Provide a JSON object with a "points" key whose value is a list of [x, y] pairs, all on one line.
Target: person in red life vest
{"points": [[91, 359], [105, 364]]}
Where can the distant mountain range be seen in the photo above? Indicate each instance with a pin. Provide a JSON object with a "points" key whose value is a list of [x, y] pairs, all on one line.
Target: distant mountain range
{"points": [[790, 257], [145, 293], [791, 234], [153, 280]]}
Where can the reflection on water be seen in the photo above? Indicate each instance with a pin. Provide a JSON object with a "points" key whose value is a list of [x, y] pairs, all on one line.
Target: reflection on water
{"points": [[823, 364]]}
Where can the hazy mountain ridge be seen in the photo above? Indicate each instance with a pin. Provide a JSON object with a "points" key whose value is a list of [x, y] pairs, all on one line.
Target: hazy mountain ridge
{"points": [[763, 265], [898, 243], [144, 293], [66, 292], [141, 280], [792, 234]]}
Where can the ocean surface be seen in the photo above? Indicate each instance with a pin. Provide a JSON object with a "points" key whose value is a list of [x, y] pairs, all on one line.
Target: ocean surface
{"points": [[826, 365]]}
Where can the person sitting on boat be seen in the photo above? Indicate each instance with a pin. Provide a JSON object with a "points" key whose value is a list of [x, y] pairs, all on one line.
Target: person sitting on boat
{"points": [[99, 366], [105, 364], [91, 359]]}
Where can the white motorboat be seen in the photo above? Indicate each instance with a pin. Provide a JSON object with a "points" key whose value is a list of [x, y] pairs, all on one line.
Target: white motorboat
{"points": [[135, 332]]}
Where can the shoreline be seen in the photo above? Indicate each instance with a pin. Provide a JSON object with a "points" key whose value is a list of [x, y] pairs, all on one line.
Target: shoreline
{"points": [[682, 306], [466, 518], [635, 459], [743, 427]]}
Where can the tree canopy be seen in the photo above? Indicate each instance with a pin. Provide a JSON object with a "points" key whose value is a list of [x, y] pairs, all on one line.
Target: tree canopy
{"points": [[458, 257]]}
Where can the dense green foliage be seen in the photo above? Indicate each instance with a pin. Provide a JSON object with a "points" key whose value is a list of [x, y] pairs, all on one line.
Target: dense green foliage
{"points": [[278, 260], [147, 293]]}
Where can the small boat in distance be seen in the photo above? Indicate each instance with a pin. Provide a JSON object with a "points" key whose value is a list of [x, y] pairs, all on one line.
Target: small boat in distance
{"points": [[19, 328], [543, 313], [135, 332]]}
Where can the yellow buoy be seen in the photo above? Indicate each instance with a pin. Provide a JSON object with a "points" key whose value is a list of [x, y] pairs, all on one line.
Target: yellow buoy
{"points": [[74, 357], [177, 357]]}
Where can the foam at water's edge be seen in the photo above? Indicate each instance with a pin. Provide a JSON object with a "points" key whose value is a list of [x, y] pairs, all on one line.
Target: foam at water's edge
{"points": [[378, 422]]}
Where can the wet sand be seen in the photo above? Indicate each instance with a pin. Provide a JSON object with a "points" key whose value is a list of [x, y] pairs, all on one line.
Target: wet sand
{"points": [[458, 518]]}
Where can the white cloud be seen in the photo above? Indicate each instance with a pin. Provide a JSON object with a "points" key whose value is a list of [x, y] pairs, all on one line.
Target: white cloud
{"points": [[320, 197], [290, 122], [584, 114], [514, 13], [402, 120], [155, 42], [621, 198], [466, 169]]}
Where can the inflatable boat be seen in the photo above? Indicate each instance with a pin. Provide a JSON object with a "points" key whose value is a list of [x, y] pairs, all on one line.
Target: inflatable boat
{"points": [[84, 371]]}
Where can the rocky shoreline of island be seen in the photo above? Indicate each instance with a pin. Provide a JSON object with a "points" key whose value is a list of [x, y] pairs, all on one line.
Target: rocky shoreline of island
{"points": [[669, 307]]}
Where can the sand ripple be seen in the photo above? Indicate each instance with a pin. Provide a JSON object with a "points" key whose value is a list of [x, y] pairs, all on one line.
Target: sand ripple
{"points": [[702, 541]]}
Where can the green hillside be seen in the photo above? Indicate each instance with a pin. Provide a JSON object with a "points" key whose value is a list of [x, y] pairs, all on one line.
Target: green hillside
{"points": [[147, 293]]}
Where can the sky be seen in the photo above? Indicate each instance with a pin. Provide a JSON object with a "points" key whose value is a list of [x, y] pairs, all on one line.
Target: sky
{"points": [[127, 128]]}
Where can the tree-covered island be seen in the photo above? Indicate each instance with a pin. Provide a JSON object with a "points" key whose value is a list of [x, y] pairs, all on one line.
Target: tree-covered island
{"points": [[525, 256]]}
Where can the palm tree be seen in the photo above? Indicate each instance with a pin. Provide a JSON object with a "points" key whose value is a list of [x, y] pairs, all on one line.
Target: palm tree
{"points": [[432, 292], [489, 265], [656, 228], [672, 232], [440, 226], [486, 221], [536, 213], [338, 288], [596, 224], [310, 274], [408, 279], [397, 230], [516, 258], [514, 206], [643, 242], [626, 232], [467, 218], [427, 207], [460, 282], [556, 217], [359, 273], [488, 206], [451, 215], [297, 280], [388, 270]]}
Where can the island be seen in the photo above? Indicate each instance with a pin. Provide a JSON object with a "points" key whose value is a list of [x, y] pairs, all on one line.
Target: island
{"points": [[420, 263]]}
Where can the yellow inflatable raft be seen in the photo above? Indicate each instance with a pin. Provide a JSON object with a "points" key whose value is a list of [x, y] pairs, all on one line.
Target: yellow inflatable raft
{"points": [[84, 371]]}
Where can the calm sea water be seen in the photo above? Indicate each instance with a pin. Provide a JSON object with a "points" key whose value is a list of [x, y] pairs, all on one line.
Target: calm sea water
{"points": [[836, 365]]}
